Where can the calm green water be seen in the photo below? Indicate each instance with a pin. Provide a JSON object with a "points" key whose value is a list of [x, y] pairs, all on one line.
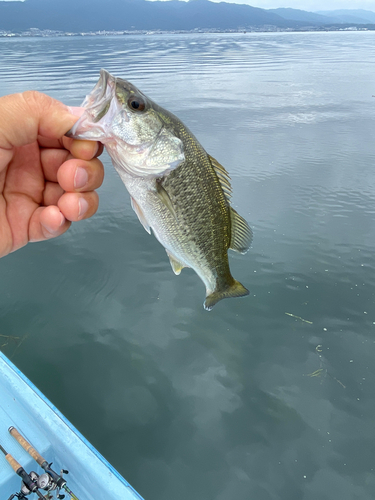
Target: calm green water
{"points": [[188, 404]]}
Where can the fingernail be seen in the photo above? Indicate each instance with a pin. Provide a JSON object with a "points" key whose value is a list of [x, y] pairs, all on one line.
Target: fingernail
{"points": [[83, 206], [62, 220], [80, 178], [53, 230]]}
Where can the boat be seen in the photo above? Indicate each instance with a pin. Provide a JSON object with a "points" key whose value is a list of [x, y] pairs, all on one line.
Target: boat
{"points": [[26, 412]]}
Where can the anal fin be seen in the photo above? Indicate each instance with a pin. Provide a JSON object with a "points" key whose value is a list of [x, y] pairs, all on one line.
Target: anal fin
{"points": [[176, 265]]}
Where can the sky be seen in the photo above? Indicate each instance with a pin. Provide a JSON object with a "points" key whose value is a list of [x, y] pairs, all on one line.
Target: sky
{"points": [[310, 5]]}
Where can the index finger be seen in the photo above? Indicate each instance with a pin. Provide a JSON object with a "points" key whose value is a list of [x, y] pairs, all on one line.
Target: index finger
{"points": [[24, 117]]}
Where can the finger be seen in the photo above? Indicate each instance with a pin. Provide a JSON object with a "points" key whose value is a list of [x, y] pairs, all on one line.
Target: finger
{"points": [[44, 142], [47, 223], [84, 150], [59, 166], [80, 175], [78, 206], [100, 150], [51, 160], [52, 193], [25, 116]]}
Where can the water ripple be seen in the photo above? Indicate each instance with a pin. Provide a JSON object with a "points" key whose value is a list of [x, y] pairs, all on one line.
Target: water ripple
{"points": [[269, 396]]}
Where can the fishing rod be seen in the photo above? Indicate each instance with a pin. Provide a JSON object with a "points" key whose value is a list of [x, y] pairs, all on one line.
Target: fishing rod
{"points": [[50, 480], [29, 484]]}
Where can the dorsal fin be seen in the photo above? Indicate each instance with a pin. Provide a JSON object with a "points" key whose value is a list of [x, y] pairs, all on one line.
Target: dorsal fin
{"points": [[223, 177], [241, 234]]}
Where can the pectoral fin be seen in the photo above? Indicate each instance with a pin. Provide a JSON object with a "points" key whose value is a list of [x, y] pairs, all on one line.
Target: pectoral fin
{"points": [[142, 219], [242, 235], [164, 198], [175, 263]]}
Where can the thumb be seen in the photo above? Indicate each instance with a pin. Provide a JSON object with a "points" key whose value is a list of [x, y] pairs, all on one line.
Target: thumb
{"points": [[25, 116]]}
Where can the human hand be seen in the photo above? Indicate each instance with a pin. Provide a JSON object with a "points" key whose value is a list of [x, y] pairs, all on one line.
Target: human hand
{"points": [[46, 180]]}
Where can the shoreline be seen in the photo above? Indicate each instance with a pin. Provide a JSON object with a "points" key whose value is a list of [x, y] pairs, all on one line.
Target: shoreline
{"points": [[36, 32]]}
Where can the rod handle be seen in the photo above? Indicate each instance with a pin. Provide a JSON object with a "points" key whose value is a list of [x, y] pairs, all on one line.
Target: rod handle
{"points": [[26, 446], [13, 463]]}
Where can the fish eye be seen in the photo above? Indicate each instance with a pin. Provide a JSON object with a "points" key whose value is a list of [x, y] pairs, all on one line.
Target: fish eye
{"points": [[136, 103]]}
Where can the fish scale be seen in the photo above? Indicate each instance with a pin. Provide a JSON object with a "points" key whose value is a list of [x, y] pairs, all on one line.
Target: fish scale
{"points": [[201, 206]]}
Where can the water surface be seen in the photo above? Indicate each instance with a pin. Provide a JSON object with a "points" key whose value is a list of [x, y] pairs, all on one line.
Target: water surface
{"points": [[266, 397]]}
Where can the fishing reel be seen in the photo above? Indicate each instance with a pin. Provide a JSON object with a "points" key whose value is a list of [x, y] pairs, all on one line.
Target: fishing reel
{"points": [[43, 482], [50, 480], [18, 495], [47, 482], [26, 489]]}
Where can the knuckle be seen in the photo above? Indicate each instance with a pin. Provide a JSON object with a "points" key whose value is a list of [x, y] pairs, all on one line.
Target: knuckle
{"points": [[36, 100]]}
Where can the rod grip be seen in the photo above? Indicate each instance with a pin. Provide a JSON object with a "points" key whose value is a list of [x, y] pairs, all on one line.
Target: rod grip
{"points": [[26, 446], [13, 463]]}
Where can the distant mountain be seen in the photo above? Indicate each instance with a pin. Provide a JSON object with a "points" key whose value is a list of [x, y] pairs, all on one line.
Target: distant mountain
{"points": [[93, 15], [303, 16], [358, 16], [120, 15], [327, 16]]}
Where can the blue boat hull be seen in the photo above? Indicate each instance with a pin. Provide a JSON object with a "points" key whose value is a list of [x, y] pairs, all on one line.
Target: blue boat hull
{"points": [[23, 406]]}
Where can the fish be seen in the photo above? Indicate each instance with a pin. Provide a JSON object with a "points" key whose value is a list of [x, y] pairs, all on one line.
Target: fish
{"points": [[177, 189]]}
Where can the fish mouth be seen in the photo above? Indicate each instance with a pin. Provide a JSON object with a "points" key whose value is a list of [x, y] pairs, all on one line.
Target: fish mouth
{"points": [[97, 100], [139, 146], [97, 104]]}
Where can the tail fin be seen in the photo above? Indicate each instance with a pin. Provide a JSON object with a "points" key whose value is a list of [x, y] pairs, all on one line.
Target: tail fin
{"points": [[233, 290]]}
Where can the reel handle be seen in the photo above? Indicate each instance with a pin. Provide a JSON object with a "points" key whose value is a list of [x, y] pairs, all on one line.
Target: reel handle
{"points": [[27, 446]]}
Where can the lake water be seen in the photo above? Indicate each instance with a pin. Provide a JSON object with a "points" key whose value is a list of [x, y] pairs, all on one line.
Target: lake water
{"points": [[267, 397]]}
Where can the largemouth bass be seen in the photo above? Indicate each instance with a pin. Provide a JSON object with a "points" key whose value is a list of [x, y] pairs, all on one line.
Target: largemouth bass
{"points": [[177, 189]]}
